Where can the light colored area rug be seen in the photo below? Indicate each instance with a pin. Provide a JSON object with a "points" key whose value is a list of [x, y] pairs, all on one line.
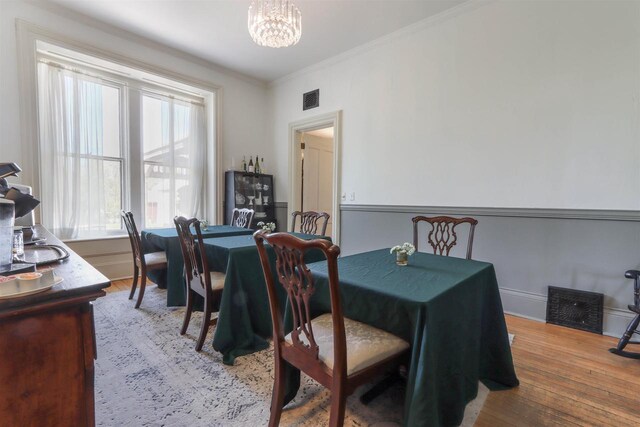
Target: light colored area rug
{"points": [[149, 375]]}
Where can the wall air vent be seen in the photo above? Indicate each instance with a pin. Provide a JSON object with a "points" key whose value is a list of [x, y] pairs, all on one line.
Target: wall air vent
{"points": [[575, 309], [311, 99]]}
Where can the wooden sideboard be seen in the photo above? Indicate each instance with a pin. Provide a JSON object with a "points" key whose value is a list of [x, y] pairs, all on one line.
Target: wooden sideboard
{"points": [[47, 349]]}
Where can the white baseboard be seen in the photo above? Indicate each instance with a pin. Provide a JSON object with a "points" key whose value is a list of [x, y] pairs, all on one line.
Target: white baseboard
{"points": [[533, 306], [114, 270]]}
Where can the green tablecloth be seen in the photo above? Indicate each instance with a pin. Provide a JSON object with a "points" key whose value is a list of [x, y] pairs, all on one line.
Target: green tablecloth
{"points": [[166, 239], [448, 309], [244, 318]]}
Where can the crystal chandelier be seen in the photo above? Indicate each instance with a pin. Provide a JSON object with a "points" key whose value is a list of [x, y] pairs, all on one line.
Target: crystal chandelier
{"points": [[274, 23]]}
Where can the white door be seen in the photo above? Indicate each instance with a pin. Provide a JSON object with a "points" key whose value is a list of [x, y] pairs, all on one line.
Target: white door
{"points": [[317, 193]]}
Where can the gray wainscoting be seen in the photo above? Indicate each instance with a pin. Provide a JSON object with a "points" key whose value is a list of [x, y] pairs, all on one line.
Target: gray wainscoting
{"points": [[281, 215], [530, 249]]}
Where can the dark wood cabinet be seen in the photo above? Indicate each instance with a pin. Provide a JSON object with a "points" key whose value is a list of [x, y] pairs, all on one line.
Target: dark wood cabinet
{"points": [[47, 349], [250, 190]]}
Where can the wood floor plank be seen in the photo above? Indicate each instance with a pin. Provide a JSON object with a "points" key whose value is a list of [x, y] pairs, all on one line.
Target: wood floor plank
{"points": [[590, 397], [567, 378], [581, 379], [502, 412]]}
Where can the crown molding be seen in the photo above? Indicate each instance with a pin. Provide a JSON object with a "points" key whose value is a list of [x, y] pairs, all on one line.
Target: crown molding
{"points": [[429, 22], [115, 31], [24, 28]]}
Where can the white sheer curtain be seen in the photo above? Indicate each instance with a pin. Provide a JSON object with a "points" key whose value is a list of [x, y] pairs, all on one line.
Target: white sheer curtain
{"points": [[72, 183], [197, 159], [83, 156], [174, 140]]}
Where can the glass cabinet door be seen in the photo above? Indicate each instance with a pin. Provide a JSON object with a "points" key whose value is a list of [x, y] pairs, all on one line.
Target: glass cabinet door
{"points": [[252, 191]]}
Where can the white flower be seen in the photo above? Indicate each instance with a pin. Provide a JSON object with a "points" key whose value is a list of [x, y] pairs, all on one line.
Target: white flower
{"points": [[269, 226], [406, 247]]}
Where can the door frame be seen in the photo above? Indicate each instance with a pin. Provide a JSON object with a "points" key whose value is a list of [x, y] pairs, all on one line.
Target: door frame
{"points": [[313, 123]]}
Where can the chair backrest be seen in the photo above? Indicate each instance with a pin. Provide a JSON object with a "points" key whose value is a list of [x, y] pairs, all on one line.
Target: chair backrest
{"points": [[310, 222], [442, 237], [242, 217], [196, 268], [134, 236], [297, 281]]}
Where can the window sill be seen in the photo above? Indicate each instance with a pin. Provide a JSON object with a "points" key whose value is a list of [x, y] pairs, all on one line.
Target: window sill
{"points": [[96, 239]]}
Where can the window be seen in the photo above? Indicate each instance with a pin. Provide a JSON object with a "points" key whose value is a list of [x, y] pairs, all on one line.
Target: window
{"points": [[168, 127], [82, 161], [102, 133]]}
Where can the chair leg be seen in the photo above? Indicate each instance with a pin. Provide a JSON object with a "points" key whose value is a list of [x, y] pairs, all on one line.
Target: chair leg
{"points": [[187, 313], [624, 340], [379, 388], [277, 397], [134, 284], [338, 404], [143, 285], [206, 321]]}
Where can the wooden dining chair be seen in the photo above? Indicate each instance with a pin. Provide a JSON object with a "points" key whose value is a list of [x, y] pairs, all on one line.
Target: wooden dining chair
{"points": [[310, 222], [142, 263], [339, 353], [198, 278], [632, 328], [442, 237], [242, 217]]}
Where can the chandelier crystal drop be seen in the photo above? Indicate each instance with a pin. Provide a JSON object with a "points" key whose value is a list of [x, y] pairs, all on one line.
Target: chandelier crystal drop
{"points": [[274, 23]]}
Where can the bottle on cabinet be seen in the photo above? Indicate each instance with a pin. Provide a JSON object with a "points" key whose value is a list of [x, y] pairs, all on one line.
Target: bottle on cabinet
{"points": [[250, 169], [244, 163], [258, 170], [262, 168]]}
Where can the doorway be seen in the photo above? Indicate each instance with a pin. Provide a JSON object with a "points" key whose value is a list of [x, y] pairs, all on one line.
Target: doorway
{"points": [[314, 169], [316, 172]]}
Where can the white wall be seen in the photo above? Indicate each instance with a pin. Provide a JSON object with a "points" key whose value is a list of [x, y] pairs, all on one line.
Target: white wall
{"points": [[532, 104], [242, 124], [243, 99]]}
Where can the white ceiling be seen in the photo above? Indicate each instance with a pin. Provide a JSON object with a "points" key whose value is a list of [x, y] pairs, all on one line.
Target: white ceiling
{"points": [[216, 30]]}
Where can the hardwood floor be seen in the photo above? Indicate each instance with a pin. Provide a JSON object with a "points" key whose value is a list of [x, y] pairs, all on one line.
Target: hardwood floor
{"points": [[123, 285], [567, 378]]}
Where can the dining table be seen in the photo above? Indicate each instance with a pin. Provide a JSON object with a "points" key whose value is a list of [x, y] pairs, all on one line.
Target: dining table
{"points": [[448, 309], [166, 239], [244, 318]]}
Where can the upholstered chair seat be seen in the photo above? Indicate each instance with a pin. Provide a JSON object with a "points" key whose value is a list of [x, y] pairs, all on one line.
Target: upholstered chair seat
{"points": [[155, 258], [339, 353], [142, 263], [200, 280], [366, 345], [217, 280]]}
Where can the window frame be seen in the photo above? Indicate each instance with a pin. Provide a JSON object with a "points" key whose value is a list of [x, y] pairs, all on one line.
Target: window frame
{"points": [[208, 94]]}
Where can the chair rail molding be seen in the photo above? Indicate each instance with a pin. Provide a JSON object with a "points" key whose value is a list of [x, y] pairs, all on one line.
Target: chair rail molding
{"points": [[587, 214], [531, 249]]}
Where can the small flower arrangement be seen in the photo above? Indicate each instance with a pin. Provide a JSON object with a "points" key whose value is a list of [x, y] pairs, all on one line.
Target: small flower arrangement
{"points": [[403, 252], [269, 227], [204, 224], [406, 247]]}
